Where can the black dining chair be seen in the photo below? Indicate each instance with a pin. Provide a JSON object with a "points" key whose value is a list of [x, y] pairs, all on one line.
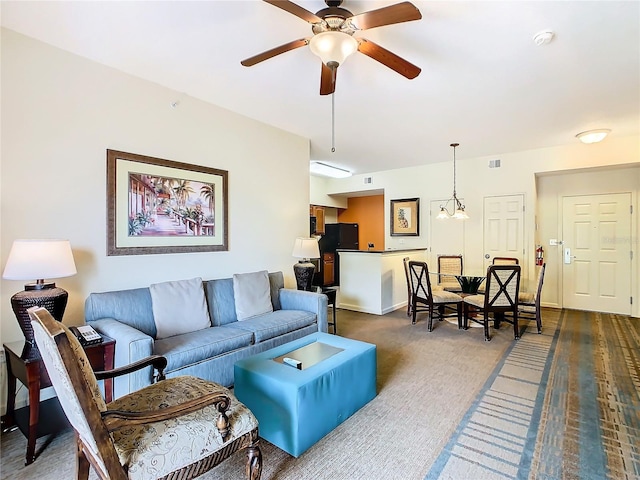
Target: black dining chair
{"points": [[450, 265], [500, 298], [500, 261], [529, 302], [405, 261], [423, 294]]}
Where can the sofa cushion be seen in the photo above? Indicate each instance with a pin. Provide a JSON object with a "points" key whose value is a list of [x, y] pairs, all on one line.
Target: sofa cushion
{"points": [[179, 307], [131, 307], [276, 323], [252, 294], [194, 347]]}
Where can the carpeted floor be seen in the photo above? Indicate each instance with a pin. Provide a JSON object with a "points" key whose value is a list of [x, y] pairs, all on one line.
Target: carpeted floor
{"points": [[450, 405], [562, 405]]}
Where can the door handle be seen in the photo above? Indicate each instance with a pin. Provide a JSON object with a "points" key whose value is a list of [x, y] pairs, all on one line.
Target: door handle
{"points": [[567, 256]]}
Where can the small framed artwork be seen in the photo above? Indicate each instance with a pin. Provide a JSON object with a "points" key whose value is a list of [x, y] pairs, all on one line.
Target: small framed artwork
{"points": [[405, 217], [161, 206]]}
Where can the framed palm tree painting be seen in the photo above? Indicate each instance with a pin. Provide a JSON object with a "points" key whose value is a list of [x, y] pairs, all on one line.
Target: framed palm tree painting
{"points": [[162, 206]]}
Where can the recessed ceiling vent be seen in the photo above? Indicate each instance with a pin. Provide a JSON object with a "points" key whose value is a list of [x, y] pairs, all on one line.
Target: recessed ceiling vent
{"points": [[494, 163], [368, 180]]}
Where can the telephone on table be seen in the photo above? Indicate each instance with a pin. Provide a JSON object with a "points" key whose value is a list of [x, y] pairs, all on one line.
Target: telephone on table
{"points": [[86, 335]]}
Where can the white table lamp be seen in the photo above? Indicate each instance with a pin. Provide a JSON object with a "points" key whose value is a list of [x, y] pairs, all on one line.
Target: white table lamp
{"points": [[39, 260]]}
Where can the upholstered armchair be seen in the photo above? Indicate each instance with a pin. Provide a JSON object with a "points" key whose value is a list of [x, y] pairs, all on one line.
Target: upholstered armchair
{"points": [[175, 428]]}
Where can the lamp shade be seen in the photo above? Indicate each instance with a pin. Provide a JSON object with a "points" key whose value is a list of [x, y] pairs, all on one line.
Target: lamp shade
{"points": [[39, 259], [306, 248], [333, 46]]}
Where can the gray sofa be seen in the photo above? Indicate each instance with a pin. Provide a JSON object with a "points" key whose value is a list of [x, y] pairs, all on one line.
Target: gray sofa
{"points": [[210, 353]]}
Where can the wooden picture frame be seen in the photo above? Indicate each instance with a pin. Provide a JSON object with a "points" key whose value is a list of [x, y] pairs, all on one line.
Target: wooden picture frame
{"points": [[161, 206], [405, 217]]}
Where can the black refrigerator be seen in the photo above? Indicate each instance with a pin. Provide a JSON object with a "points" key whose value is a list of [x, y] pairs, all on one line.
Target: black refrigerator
{"points": [[338, 236]]}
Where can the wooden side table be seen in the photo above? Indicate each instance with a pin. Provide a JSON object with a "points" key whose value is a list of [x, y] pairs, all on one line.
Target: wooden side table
{"points": [[24, 364]]}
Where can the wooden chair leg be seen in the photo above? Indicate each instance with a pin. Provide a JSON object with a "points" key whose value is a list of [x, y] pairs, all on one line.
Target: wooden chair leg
{"points": [[413, 311], [516, 329], [459, 315], [82, 463], [430, 325], [254, 462], [487, 337], [465, 316], [538, 319]]}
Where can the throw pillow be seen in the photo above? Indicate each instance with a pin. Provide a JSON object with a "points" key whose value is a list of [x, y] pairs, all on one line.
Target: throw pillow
{"points": [[179, 307], [252, 294]]}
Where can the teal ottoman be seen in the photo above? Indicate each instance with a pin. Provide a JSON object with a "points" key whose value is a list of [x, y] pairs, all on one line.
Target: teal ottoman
{"points": [[296, 408]]}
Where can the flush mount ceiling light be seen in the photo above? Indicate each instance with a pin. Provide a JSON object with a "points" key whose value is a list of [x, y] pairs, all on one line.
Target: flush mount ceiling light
{"points": [[458, 206], [319, 168], [593, 136]]}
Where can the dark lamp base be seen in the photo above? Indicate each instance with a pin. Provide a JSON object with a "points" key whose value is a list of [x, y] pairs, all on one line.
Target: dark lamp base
{"points": [[53, 299], [303, 272], [39, 286]]}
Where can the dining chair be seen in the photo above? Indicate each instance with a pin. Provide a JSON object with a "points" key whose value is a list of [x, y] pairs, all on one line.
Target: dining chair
{"points": [[175, 428], [505, 261], [500, 261], [405, 261], [529, 302], [422, 293], [500, 297], [452, 265]]}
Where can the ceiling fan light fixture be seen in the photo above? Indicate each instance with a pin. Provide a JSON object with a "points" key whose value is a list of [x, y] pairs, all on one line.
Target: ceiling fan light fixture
{"points": [[593, 136], [333, 47]]}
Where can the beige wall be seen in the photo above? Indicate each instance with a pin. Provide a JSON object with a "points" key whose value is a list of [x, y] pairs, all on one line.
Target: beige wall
{"points": [[61, 112], [517, 175]]}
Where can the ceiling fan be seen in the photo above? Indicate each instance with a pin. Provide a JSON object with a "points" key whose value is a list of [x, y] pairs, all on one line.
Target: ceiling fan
{"points": [[333, 41]]}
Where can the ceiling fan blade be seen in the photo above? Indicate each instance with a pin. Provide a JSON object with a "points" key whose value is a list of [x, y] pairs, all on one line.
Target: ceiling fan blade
{"points": [[327, 80], [398, 13], [388, 58], [296, 10], [274, 51]]}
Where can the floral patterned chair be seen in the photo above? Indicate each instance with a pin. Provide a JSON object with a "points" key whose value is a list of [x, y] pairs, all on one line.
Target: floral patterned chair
{"points": [[175, 428]]}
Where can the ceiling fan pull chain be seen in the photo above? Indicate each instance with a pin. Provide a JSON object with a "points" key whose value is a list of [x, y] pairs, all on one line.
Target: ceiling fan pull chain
{"points": [[333, 122]]}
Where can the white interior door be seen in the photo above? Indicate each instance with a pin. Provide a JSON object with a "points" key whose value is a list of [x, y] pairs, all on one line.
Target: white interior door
{"points": [[596, 273], [446, 235], [504, 228]]}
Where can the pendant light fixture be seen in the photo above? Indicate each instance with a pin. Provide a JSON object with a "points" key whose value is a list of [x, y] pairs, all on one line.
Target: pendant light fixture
{"points": [[458, 206]]}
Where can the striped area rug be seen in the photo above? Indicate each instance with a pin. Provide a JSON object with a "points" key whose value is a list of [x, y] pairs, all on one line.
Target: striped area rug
{"points": [[564, 404]]}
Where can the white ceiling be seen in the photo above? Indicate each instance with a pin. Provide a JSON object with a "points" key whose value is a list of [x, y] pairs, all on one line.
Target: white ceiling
{"points": [[484, 83]]}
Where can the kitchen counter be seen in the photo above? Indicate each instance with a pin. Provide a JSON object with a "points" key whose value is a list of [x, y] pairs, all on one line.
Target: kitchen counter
{"points": [[374, 281]]}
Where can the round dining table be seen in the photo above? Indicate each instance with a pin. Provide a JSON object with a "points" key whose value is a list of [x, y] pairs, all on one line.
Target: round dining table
{"points": [[469, 283]]}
